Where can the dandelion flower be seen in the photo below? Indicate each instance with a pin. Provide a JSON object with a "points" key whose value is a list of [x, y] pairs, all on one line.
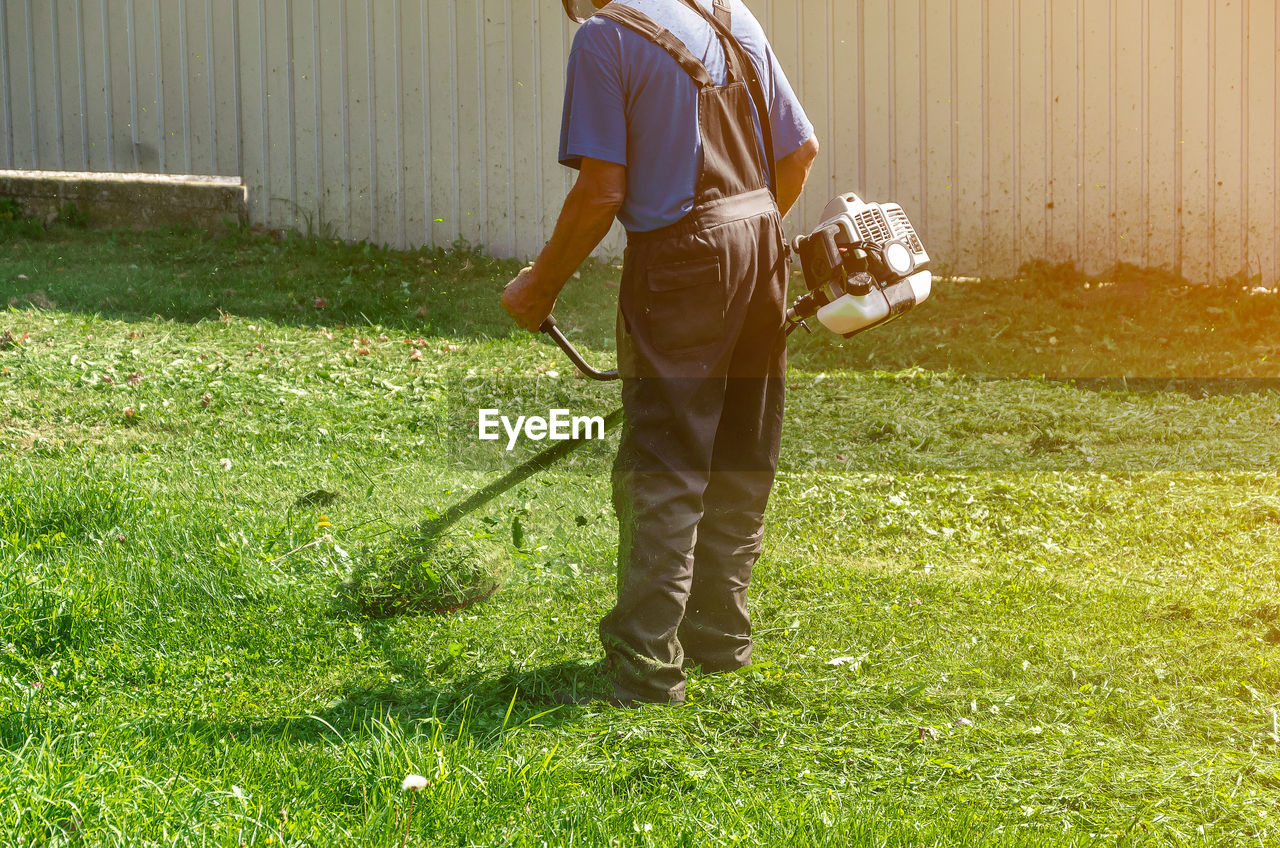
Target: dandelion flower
{"points": [[324, 522], [225, 463], [412, 784]]}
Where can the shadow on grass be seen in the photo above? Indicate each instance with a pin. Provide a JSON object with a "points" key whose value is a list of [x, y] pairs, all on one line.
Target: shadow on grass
{"points": [[189, 276], [479, 705], [476, 709], [1192, 387], [986, 330]]}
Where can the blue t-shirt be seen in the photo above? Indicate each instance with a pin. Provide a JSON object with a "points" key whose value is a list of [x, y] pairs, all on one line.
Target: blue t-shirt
{"points": [[628, 102]]}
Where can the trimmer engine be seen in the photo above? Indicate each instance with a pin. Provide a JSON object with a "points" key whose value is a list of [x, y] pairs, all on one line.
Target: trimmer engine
{"points": [[863, 265]]}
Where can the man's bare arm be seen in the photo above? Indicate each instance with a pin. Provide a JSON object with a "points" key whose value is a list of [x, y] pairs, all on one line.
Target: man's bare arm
{"points": [[793, 171], [584, 221]]}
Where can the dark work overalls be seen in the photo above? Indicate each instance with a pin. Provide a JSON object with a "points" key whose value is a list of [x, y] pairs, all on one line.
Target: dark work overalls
{"points": [[701, 349]]}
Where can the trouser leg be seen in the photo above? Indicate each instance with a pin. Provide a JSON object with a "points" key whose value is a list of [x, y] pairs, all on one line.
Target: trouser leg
{"points": [[658, 486], [657, 521], [678, 404], [716, 630]]}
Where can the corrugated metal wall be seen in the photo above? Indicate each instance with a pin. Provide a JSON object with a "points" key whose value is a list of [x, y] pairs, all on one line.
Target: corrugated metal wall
{"points": [[1098, 130]]}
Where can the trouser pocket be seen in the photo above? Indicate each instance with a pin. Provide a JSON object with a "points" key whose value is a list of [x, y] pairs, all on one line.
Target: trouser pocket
{"points": [[686, 303]]}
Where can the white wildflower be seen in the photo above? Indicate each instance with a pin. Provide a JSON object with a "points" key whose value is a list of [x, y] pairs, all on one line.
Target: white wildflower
{"points": [[413, 782]]}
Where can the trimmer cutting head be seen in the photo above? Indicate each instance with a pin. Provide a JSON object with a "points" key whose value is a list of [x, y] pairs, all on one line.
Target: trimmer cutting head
{"points": [[425, 575]]}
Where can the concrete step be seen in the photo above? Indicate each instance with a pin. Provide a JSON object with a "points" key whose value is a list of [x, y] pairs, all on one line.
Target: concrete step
{"points": [[109, 200]]}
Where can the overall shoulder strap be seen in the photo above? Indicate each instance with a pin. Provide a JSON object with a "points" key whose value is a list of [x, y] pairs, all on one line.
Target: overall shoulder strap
{"points": [[733, 60], [641, 23], [723, 12], [721, 22]]}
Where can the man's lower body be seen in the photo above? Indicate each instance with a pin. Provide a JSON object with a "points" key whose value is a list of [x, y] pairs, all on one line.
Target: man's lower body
{"points": [[701, 347]]}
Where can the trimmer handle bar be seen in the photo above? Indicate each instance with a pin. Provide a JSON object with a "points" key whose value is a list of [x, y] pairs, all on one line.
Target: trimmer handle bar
{"points": [[549, 327]]}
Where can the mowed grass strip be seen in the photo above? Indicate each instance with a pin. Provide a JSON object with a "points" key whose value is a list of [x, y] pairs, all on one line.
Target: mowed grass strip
{"points": [[1003, 602]]}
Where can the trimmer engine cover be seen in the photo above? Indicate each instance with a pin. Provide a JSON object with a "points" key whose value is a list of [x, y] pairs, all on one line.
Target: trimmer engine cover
{"points": [[863, 265]]}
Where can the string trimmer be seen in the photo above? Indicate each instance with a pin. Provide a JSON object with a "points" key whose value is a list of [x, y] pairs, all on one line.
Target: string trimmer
{"points": [[413, 582], [864, 265]]}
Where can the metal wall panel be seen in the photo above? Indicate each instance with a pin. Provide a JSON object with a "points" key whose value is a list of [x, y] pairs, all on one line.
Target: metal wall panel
{"points": [[1099, 131]]}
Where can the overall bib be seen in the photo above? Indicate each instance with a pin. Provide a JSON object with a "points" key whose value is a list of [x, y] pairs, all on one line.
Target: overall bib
{"points": [[701, 350]]}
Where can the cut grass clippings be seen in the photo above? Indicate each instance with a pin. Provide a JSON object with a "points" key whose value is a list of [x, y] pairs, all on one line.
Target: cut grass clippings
{"points": [[1020, 582]]}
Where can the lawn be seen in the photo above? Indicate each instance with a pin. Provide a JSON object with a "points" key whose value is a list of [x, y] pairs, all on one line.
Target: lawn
{"points": [[1020, 585]]}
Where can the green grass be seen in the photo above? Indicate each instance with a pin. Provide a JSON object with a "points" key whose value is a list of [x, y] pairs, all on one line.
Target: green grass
{"points": [[980, 533]]}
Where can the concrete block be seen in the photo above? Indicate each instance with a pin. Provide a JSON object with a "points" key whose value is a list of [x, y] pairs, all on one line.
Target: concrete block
{"points": [[130, 201]]}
